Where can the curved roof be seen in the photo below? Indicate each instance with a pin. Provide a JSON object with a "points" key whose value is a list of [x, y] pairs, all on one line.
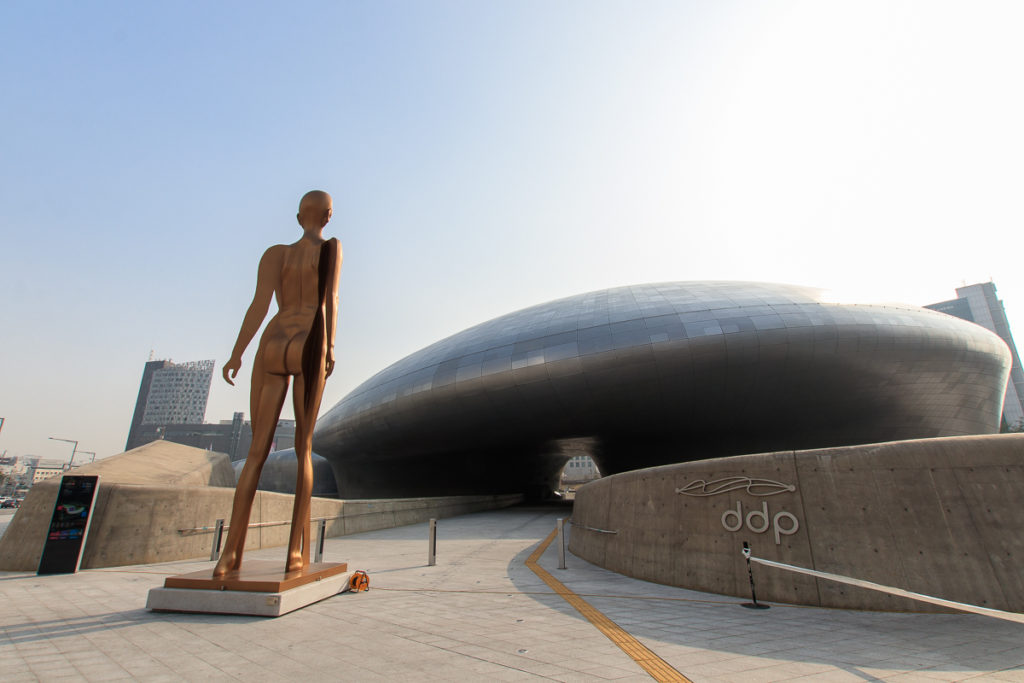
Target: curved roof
{"points": [[280, 471], [659, 373]]}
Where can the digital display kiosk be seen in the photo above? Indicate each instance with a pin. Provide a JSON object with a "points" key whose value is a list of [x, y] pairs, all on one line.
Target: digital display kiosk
{"points": [[69, 525]]}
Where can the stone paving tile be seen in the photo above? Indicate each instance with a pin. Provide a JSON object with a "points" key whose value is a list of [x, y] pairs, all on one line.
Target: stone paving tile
{"points": [[1016, 674], [608, 673], [480, 614], [833, 676]]}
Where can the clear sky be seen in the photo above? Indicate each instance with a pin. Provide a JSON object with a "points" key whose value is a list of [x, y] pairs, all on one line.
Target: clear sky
{"points": [[483, 157]]}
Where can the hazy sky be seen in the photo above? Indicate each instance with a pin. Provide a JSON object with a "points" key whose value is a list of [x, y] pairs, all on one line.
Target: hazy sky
{"points": [[483, 157]]}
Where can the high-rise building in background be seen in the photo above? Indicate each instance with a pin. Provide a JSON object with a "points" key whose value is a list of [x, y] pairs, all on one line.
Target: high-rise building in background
{"points": [[170, 393], [178, 393], [979, 304], [172, 407]]}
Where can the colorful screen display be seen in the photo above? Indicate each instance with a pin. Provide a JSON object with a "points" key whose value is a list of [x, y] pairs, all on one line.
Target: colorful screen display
{"points": [[69, 525]]}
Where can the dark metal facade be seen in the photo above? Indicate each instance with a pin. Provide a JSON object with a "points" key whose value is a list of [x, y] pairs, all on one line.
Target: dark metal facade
{"points": [[280, 473], [655, 374]]}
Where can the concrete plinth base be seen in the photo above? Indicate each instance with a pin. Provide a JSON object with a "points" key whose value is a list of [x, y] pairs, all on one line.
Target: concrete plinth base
{"points": [[260, 576], [247, 600]]}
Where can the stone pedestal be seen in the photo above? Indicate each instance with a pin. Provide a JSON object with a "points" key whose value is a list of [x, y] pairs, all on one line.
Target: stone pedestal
{"points": [[258, 589]]}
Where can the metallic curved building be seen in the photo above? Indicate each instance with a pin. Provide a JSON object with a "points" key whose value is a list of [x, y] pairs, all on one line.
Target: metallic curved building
{"points": [[280, 471], [655, 374]]}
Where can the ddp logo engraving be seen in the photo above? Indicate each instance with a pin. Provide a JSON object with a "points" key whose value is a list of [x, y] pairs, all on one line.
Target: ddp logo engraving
{"points": [[757, 521], [733, 520], [755, 487]]}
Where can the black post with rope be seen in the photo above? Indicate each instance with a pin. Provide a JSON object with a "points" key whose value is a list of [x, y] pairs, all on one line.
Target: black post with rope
{"points": [[750, 573]]}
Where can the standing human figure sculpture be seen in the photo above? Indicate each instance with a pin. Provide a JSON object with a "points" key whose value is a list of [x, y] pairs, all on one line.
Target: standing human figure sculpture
{"points": [[298, 342]]}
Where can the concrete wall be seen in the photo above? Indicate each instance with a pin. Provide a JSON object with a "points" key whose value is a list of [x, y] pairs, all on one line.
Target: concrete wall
{"points": [[164, 463], [943, 517], [134, 524], [154, 502]]}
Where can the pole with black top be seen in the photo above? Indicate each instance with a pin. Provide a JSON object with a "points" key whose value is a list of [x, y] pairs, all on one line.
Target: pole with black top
{"points": [[750, 574]]}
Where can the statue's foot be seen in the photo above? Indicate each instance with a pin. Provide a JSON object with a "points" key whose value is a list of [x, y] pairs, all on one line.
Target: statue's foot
{"points": [[294, 562], [229, 561]]}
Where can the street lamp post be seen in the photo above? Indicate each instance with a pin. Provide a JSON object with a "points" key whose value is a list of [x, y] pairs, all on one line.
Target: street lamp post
{"points": [[73, 450]]}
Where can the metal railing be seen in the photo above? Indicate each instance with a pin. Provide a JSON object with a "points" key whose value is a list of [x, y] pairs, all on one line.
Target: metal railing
{"points": [[590, 528], [255, 525], [252, 525]]}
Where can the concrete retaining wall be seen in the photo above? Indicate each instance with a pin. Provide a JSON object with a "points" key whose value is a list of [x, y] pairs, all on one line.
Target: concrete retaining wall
{"points": [[134, 524], [943, 517], [142, 524], [160, 502]]}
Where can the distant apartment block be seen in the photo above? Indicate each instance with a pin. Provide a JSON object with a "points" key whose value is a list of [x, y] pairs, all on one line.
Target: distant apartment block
{"points": [[169, 394], [40, 472], [178, 393], [979, 304]]}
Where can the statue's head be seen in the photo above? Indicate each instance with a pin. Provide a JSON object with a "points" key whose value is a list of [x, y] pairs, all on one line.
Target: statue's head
{"points": [[315, 208]]}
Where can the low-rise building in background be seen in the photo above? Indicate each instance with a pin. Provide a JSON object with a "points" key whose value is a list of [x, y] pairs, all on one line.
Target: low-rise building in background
{"points": [[578, 471], [232, 437]]}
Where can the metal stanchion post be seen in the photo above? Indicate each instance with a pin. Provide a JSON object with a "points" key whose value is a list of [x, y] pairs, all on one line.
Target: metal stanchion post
{"points": [[321, 531], [432, 544], [218, 532], [750, 573], [561, 544]]}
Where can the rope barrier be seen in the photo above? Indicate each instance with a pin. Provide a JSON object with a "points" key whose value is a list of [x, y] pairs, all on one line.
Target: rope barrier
{"points": [[960, 606]]}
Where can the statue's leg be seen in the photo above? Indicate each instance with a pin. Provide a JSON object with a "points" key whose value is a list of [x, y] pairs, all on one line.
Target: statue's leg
{"points": [[298, 539], [266, 399]]}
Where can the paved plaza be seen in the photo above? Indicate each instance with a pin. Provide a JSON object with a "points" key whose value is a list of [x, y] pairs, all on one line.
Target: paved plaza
{"points": [[480, 614]]}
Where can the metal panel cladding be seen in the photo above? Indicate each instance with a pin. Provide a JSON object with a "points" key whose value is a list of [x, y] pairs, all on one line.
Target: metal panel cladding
{"points": [[655, 374]]}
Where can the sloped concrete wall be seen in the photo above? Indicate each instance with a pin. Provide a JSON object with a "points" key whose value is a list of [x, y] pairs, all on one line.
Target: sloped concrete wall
{"points": [[164, 463], [160, 502], [943, 517], [145, 524], [157, 468]]}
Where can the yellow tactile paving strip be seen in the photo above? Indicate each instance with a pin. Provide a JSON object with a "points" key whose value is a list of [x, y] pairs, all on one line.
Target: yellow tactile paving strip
{"points": [[658, 668]]}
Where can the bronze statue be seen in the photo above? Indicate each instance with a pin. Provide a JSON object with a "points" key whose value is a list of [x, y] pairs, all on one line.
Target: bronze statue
{"points": [[299, 343]]}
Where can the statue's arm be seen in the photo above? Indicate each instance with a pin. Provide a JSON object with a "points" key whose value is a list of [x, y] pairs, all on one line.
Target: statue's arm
{"points": [[266, 282], [331, 314]]}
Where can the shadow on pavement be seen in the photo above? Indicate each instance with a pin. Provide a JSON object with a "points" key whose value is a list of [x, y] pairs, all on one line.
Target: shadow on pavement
{"points": [[666, 617]]}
